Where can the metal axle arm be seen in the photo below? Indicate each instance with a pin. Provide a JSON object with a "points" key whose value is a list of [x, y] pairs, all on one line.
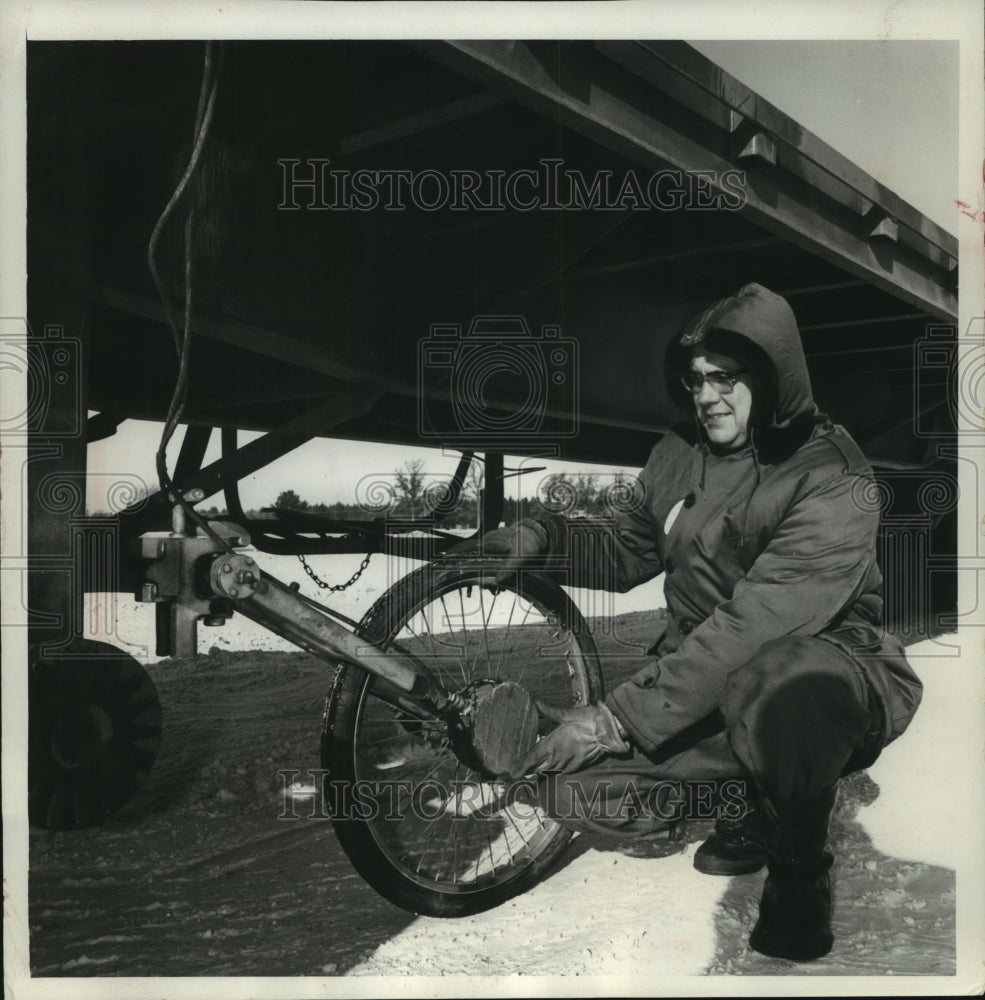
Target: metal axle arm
{"points": [[268, 602], [197, 580]]}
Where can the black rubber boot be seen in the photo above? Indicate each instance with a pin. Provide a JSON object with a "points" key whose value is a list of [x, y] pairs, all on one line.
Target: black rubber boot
{"points": [[737, 847], [795, 908]]}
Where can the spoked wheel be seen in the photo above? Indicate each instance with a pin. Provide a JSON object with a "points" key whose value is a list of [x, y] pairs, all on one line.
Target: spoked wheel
{"points": [[418, 815], [94, 732]]}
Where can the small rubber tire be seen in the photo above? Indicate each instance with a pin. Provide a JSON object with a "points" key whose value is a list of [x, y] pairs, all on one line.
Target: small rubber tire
{"points": [[428, 857], [94, 729]]}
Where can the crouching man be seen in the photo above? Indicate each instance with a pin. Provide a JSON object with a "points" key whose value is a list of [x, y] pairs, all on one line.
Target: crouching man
{"points": [[774, 666]]}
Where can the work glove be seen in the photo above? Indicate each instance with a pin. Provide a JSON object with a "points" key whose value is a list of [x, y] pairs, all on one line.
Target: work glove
{"points": [[522, 540], [519, 540], [526, 545], [583, 737]]}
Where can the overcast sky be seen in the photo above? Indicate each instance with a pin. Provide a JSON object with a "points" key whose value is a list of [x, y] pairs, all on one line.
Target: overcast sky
{"points": [[890, 106]]}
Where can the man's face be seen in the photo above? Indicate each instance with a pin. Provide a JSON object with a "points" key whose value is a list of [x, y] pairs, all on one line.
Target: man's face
{"points": [[724, 415]]}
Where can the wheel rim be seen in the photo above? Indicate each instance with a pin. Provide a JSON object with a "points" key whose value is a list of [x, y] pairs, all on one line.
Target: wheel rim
{"points": [[438, 821]]}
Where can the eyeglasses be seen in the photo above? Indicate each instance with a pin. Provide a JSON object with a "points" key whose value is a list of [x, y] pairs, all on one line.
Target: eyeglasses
{"points": [[723, 382]]}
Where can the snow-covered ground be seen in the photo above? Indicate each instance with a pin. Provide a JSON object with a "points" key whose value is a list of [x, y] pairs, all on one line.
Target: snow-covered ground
{"points": [[630, 911], [923, 789], [606, 914], [670, 922]]}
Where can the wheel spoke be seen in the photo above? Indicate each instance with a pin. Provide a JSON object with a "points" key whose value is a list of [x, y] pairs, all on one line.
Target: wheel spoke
{"points": [[502, 648], [485, 624], [461, 662], [466, 847], [520, 627]]}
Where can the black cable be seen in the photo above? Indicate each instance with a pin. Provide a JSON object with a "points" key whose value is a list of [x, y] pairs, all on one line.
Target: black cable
{"points": [[199, 140], [203, 121]]}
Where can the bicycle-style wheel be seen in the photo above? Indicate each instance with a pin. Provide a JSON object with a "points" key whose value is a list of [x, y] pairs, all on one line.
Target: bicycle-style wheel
{"points": [[425, 826]]}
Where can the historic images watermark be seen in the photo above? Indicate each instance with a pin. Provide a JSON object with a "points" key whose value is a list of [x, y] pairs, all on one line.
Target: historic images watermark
{"points": [[51, 364], [585, 508], [314, 185], [918, 507], [312, 794]]}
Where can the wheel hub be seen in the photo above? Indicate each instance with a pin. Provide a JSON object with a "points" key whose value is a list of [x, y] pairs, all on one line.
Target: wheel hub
{"points": [[500, 728], [79, 733]]}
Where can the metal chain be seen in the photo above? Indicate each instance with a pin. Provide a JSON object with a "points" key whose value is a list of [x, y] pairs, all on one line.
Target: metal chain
{"points": [[336, 586]]}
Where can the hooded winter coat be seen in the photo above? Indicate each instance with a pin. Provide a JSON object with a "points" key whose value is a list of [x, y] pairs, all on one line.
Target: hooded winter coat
{"points": [[777, 539]]}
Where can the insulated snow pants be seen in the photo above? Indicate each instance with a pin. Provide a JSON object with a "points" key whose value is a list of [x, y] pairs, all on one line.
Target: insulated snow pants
{"points": [[791, 721]]}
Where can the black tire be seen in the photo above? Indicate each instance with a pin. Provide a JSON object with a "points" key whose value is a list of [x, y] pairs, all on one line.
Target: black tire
{"points": [[442, 859], [94, 730]]}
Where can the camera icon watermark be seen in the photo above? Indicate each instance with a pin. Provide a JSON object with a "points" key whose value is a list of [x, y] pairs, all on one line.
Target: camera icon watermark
{"points": [[949, 387], [50, 364], [499, 384]]}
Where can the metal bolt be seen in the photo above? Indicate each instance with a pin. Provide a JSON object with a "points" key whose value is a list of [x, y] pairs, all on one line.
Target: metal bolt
{"points": [[295, 586], [148, 592], [249, 561], [227, 568], [234, 592]]}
